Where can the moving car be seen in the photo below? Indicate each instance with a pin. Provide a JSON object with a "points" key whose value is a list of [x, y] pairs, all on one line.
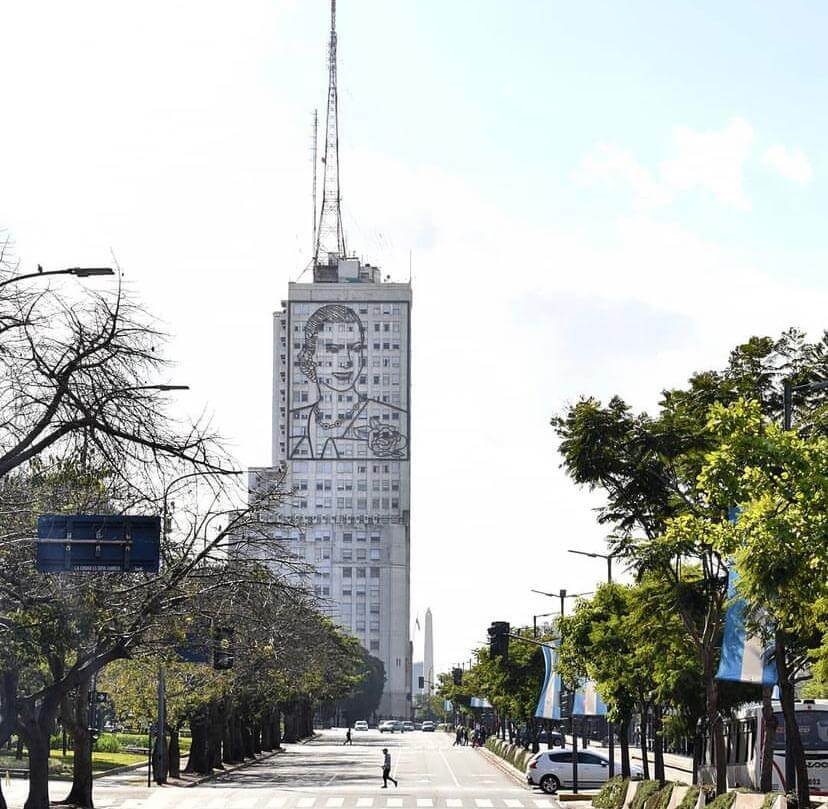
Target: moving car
{"points": [[399, 725], [360, 724], [428, 726], [551, 771], [388, 726], [409, 726]]}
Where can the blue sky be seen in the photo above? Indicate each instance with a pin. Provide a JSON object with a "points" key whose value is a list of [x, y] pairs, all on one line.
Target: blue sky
{"points": [[597, 197]]}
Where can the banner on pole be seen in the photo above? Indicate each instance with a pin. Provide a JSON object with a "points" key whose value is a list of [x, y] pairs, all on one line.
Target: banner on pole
{"points": [[479, 702], [745, 658], [549, 702]]}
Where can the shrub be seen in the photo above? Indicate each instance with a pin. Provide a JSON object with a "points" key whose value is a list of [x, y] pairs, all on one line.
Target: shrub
{"points": [[722, 801], [690, 798], [107, 743], [662, 798], [646, 789], [612, 794], [770, 797]]}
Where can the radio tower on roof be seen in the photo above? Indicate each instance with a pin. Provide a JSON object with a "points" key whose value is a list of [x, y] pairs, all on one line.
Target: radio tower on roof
{"points": [[330, 237]]}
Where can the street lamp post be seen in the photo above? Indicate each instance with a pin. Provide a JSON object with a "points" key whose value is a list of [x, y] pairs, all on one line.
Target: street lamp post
{"points": [[610, 729], [535, 621], [78, 272], [562, 594]]}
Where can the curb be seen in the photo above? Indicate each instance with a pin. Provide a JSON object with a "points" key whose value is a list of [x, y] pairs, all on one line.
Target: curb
{"points": [[232, 768], [504, 767]]}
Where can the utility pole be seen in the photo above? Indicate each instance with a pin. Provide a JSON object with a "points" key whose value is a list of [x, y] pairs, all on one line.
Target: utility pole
{"points": [[610, 730]]}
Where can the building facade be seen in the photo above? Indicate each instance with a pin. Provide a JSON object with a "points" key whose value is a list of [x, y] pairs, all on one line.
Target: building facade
{"points": [[342, 441]]}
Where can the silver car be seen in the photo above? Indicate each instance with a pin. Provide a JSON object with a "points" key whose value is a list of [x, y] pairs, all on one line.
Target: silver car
{"points": [[551, 771]]}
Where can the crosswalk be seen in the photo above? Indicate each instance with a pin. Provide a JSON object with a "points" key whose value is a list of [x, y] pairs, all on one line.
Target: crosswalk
{"points": [[255, 799]]}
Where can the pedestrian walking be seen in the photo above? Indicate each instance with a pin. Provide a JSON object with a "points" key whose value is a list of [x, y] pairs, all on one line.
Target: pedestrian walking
{"points": [[458, 737], [386, 769], [465, 737], [348, 737]]}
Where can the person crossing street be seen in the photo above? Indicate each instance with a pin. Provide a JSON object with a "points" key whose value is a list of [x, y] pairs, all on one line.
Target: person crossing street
{"points": [[386, 769]]}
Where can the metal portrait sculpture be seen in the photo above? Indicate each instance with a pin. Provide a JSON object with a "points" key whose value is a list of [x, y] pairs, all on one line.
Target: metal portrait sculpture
{"points": [[341, 420]]}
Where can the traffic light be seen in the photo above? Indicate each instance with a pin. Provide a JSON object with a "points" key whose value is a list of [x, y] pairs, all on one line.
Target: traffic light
{"points": [[421, 683], [499, 640], [223, 649], [457, 676]]}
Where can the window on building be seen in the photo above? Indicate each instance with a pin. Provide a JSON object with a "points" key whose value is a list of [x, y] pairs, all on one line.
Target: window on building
{"points": [[347, 554], [375, 537], [360, 572], [347, 536], [346, 572], [374, 645], [360, 554], [375, 554], [375, 609], [375, 572], [372, 625]]}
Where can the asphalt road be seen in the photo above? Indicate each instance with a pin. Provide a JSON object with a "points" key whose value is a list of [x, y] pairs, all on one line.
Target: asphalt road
{"points": [[325, 774]]}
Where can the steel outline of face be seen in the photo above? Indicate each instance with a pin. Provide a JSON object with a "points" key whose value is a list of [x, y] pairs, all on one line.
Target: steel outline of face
{"points": [[344, 372], [345, 368]]}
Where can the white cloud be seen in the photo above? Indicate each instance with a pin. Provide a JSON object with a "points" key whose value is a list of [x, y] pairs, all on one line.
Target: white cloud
{"points": [[608, 161], [711, 160], [792, 165]]}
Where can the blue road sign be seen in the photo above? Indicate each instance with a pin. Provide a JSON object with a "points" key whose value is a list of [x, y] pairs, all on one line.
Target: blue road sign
{"points": [[98, 543]]}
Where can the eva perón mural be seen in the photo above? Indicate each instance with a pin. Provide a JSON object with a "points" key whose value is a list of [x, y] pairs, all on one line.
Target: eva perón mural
{"points": [[348, 383]]}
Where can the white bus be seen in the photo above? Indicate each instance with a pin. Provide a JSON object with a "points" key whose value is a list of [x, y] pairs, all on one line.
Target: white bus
{"points": [[744, 738]]}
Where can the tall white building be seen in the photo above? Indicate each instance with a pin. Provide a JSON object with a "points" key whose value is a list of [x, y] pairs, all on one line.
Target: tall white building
{"points": [[341, 437]]}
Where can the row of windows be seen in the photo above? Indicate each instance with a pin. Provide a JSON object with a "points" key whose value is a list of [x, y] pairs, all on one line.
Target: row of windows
{"points": [[328, 467], [350, 503], [375, 309], [323, 553], [360, 572], [347, 485]]}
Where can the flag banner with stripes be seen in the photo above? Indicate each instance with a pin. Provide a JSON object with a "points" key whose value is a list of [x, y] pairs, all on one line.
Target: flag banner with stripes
{"points": [[745, 658], [588, 701], [549, 703], [479, 702], [447, 706]]}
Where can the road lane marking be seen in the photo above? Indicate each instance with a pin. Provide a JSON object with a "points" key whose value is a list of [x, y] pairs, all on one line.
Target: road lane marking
{"points": [[427, 802], [305, 803], [276, 803], [394, 803], [544, 804], [334, 803], [483, 803], [364, 803], [454, 803], [451, 772], [512, 803]]}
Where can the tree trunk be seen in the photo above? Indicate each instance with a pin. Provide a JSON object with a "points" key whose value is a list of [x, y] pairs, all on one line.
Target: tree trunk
{"points": [[38, 744], [227, 743], [174, 755], [714, 724], [76, 716], [277, 729], [533, 729], [793, 741], [624, 741], [658, 745], [199, 761], [645, 756], [769, 723]]}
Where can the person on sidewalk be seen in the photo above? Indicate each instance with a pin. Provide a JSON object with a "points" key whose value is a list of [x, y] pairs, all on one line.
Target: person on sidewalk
{"points": [[348, 737], [386, 769]]}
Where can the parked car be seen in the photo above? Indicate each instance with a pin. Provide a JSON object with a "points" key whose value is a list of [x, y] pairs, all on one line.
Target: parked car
{"points": [[555, 735], [409, 726], [399, 725], [388, 726], [360, 724], [428, 726], [551, 771]]}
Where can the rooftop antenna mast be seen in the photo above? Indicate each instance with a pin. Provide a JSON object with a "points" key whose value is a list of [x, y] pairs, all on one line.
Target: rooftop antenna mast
{"points": [[315, 152], [330, 237]]}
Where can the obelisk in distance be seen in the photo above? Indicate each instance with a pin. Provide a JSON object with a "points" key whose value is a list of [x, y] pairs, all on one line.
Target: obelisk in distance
{"points": [[428, 656]]}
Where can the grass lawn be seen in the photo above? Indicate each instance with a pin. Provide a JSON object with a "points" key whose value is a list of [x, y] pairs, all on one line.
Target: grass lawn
{"points": [[60, 765]]}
